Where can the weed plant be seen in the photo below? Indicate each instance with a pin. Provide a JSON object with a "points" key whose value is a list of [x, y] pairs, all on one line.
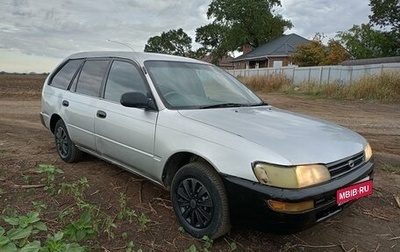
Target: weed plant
{"points": [[266, 83], [78, 224], [383, 87]]}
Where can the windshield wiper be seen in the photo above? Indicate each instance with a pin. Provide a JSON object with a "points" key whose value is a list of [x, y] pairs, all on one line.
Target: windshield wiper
{"points": [[232, 105], [224, 105]]}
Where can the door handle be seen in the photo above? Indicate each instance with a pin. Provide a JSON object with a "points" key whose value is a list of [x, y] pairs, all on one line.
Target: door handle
{"points": [[65, 103], [101, 114]]}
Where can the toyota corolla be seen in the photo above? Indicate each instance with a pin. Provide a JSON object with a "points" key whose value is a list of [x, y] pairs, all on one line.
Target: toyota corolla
{"points": [[198, 132]]}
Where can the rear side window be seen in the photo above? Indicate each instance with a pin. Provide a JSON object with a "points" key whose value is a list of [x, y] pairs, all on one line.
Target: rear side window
{"points": [[124, 77], [91, 77], [64, 76]]}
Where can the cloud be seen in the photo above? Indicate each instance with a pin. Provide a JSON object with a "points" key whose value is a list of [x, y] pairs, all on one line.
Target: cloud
{"points": [[55, 29], [324, 16], [58, 28]]}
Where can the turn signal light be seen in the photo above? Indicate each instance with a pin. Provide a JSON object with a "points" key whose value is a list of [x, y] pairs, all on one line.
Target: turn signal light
{"points": [[286, 207]]}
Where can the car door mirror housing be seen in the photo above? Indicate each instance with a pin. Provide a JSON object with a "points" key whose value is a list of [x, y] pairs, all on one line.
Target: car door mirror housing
{"points": [[137, 100]]}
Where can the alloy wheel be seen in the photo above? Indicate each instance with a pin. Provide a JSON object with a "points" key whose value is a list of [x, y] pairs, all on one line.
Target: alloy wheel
{"points": [[195, 203], [62, 142]]}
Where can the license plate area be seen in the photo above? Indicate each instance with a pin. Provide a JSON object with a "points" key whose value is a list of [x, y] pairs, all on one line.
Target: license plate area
{"points": [[354, 192]]}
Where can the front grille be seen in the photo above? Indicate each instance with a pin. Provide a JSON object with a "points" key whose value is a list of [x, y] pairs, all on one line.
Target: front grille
{"points": [[344, 166]]}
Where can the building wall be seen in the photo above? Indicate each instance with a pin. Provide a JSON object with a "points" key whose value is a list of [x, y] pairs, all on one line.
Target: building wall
{"points": [[240, 65], [267, 63], [258, 64], [285, 61]]}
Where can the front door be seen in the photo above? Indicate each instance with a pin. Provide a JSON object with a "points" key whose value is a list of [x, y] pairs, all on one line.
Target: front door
{"points": [[125, 135]]}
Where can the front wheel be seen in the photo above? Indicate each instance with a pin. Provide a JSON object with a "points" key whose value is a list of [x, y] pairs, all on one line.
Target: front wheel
{"points": [[65, 147], [200, 202]]}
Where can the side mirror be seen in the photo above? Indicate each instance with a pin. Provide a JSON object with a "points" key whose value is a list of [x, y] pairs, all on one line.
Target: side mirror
{"points": [[137, 100]]}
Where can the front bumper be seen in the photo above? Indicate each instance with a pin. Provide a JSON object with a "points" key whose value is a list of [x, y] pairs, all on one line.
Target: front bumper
{"points": [[248, 201]]}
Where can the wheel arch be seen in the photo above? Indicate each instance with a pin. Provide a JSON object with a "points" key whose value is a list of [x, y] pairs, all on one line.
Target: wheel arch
{"points": [[176, 161], [53, 121]]}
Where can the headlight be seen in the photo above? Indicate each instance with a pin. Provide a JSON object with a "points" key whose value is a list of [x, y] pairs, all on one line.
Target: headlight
{"points": [[367, 152], [291, 177]]}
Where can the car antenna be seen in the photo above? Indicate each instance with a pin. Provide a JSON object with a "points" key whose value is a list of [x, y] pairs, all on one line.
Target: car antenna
{"points": [[124, 44]]}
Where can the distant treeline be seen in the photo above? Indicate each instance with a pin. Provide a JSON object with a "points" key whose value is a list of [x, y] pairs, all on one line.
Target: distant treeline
{"points": [[31, 73]]}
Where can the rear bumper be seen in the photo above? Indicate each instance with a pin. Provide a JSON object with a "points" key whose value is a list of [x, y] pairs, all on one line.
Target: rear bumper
{"points": [[42, 119], [248, 201]]}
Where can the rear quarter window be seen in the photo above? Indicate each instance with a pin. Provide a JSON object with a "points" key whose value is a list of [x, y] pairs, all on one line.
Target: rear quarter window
{"points": [[63, 77]]}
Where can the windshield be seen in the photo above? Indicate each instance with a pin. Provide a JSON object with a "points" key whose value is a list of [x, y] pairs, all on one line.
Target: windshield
{"points": [[193, 85]]}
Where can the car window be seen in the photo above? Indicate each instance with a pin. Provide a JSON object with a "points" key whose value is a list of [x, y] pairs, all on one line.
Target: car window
{"points": [[174, 76], [218, 88], [184, 85], [123, 77], [64, 76], [91, 77]]}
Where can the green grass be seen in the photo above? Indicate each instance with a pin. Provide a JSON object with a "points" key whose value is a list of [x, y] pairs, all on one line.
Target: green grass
{"points": [[384, 87]]}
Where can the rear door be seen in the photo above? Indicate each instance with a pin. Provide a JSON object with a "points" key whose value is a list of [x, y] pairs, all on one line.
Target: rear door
{"points": [[80, 104], [125, 135], [53, 96]]}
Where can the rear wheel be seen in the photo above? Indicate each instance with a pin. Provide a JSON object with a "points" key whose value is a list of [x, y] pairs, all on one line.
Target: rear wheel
{"points": [[200, 202], [65, 147]]}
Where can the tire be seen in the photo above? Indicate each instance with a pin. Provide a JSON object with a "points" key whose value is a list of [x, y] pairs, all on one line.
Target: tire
{"points": [[65, 147], [200, 202]]}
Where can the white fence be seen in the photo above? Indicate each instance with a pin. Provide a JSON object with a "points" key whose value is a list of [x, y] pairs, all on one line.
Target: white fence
{"points": [[321, 74]]}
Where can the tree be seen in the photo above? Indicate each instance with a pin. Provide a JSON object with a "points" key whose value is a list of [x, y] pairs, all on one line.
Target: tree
{"points": [[309, 54], [198, 54], [212, 38], [315, 53], [336, 54], [380, 37], [386, 13], [362, 41], [240, 22], [175, 42]]}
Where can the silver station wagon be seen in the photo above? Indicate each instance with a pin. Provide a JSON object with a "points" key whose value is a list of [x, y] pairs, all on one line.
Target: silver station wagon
{"points": [[224, 154]]}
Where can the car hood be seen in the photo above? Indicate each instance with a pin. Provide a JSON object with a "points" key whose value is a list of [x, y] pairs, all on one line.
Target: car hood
{"points": [[299, 139]]}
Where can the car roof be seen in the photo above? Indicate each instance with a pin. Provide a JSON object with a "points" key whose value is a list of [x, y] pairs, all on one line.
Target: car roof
{"points": [[136, 56]]}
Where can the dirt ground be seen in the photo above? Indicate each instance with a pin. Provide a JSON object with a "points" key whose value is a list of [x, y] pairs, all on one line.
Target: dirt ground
{"points": [[370, 224]]}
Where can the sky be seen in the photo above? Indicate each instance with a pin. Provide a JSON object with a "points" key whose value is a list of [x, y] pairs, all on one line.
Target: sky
{"points": [[35, 35]]}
